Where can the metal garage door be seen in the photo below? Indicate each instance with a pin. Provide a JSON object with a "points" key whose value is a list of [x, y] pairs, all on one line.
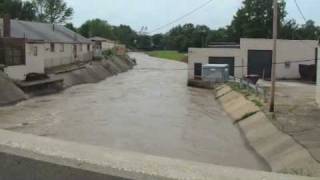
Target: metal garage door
{"points": [[223, 60], [260, 63], [197, 70]]}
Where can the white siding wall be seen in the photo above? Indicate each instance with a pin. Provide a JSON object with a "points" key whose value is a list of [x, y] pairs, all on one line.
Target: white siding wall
{"points": [[66, 56], [287, 51], [201, 55], [46, 59], [16, 72], [107, 45]]}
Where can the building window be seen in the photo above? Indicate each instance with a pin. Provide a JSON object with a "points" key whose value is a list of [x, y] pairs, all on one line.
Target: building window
{"points": [[52, 48], [88, 47], [35, 51], [12, 56], [62, 48]]}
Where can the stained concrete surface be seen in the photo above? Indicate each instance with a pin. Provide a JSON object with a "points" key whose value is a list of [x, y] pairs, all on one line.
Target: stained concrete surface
{"points": [[148, 110], [298, 114]]}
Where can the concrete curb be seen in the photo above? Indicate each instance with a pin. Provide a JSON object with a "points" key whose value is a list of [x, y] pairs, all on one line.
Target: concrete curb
{"points": [[278, 149], [29, 157]]}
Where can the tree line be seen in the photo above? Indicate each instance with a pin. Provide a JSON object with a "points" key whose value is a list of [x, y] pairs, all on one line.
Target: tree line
{"points": [[50, 11], [252, 20]]}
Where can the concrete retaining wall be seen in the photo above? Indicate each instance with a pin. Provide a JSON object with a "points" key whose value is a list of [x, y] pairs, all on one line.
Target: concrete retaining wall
{"points": [[95, 71], [90, 73], [279, 150], [9, 92], [28, 157]]}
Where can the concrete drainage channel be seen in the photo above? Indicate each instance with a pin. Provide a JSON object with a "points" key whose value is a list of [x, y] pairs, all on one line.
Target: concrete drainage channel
{"points": [[279, 150], [92, 72]]}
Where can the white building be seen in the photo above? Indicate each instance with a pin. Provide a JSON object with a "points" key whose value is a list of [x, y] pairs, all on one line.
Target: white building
{"points": [[254, 56], [102, 44], [32, 47]]}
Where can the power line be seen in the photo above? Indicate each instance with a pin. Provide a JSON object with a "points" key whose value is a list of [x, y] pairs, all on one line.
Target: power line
{"points": [[300, 10], [182, 17], [304, 18], [184, 69]]}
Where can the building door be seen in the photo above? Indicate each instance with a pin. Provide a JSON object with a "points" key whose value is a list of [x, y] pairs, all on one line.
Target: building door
{"points": [[197, 70], [75, 51], [224, 60], [260, 63]]}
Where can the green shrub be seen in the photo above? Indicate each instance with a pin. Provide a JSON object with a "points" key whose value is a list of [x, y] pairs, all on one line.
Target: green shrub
{"points": [[108, 53]]}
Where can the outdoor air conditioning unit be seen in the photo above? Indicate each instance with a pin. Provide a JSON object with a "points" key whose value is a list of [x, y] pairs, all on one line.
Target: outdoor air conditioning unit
{"points": [[216, 73]]}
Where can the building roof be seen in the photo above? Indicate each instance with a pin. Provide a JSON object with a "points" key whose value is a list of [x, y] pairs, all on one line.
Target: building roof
{"points": [[224, 45], [97, 38], [45, 32]]}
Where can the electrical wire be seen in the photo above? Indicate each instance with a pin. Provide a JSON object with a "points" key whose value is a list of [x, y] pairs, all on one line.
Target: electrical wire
{"points": [[182, 17], [185, 69], [300, 10]]}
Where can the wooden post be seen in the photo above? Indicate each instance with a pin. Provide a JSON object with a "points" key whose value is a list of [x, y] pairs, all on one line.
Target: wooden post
{"points": [[274, 55]]}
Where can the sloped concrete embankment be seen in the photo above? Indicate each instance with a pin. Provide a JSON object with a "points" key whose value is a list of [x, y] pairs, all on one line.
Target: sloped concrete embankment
{"points": [[95, 71], [29, 157], [279, 150], [9, 92], [90, 73]]}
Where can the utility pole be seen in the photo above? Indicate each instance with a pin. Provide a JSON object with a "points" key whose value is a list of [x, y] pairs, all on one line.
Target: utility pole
{"points": [[274, 54]]}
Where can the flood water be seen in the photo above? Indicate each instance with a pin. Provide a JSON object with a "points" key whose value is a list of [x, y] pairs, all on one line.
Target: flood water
{"points": [[148, 109]]}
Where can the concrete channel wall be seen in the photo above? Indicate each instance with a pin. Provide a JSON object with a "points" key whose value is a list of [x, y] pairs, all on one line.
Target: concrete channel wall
{"points": [[29, 157], [92, 72], [279, 150], [9, 92]]}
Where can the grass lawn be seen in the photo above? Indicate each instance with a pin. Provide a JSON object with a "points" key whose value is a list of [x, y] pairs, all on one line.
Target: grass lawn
{"points": [[172, 55]]}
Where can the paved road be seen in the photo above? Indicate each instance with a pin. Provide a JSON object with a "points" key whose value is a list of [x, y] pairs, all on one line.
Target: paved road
{"points": [[297, 114], [148, 109]]}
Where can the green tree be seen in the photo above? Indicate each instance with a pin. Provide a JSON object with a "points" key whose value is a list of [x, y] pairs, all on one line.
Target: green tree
{"points": [[158, 41], [17, 9], [125, 35], [308, 31], [96, 27], [199, 36], [254, 19], [143, 42], [52, 11], [71, 27], [219, 35]]}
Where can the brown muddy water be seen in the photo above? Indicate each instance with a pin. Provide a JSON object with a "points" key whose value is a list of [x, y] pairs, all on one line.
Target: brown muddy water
{"points": [[148, 109]]}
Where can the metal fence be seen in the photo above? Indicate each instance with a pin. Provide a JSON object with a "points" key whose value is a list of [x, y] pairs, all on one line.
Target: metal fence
{"points": [[255, 88]]}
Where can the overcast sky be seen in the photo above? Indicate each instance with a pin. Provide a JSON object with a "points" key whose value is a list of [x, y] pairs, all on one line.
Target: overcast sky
{"points": [[154, 13]]}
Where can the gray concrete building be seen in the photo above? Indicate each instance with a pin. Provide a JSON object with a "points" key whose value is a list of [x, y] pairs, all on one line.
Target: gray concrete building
{"points": [[32, 47], [254, 56]]}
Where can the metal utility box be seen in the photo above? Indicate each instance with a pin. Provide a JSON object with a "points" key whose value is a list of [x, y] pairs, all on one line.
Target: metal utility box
{"points": [[215, 72]]}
